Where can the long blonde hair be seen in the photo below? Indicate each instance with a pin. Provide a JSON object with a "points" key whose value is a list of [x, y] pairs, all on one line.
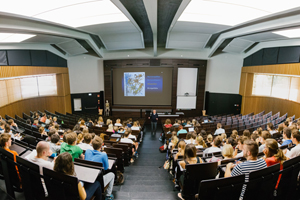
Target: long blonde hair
{"points": [[200, 141], [272, 146], [181, 147]]}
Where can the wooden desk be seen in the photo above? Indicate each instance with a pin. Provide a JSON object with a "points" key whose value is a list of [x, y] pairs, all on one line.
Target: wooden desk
{"points": [[26, 154], [111, 162], [86, 174], [17, 148]]}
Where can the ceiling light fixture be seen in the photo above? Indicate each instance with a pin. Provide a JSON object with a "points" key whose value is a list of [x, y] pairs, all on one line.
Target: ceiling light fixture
{"points": [[14, 37], [75, 13], [233, 12], [291, 33]]}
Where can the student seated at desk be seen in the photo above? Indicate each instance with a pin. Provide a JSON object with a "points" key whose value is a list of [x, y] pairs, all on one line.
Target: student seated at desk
{"points": [[192, 138], [181, 130], [110, 128], [97, 156], [295, 151], [219, 130], [54, 143], [200, 143], [135, 126], [118, 122], [181, 148], [190, 157], [5, 143], [87, 140], [168, 123], [40, 157], [71, 147], [64, 164], [286, 136], [215, 146]]}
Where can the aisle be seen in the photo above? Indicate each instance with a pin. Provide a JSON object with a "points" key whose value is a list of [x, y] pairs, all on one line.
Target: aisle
{"points": [[144, 179]]}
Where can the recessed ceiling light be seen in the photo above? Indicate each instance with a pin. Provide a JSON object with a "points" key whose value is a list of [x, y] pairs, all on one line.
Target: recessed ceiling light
{"points": [[75, 13], [291, 33], [14, 37], [233, 12]]}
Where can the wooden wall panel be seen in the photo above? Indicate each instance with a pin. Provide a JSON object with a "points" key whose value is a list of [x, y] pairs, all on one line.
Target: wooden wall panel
{"points": [[257, 104], [11, 71], [290, 69], [60, 103]]}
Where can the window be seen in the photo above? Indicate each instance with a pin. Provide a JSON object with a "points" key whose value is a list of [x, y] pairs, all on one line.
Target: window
{"points": [[29, 87], [13, 90], [295, 83], [3, 94], [262, 85], [285, 87], [47, 85], [280, 87]]}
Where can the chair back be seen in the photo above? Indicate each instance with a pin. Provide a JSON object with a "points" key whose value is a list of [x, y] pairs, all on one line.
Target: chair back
{"points": [[60, 186], [10, 172], [289, 179], [230, 187], [31, 180], [194, 174], [262, 183]]}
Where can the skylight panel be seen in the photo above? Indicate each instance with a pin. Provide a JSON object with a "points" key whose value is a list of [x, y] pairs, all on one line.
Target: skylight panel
{"points": [[233, 12], [14, 37]]}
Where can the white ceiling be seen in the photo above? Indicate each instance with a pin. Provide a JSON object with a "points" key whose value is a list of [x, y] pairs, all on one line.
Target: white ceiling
{"points": [[201, 33]]}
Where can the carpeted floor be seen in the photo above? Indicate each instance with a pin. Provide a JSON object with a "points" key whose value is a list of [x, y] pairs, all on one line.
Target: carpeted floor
{"points": [[144, 179]]}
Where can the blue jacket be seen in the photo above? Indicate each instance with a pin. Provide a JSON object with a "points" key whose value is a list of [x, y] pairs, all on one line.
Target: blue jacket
{"points": [[286, 142], [96, 156]]}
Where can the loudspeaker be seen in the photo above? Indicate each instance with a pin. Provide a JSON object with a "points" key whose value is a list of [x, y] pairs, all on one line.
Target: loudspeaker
{"points": [[101, 100]]}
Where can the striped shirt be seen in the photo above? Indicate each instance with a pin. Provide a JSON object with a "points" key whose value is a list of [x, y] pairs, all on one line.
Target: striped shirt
{"points": [[247, 167]]}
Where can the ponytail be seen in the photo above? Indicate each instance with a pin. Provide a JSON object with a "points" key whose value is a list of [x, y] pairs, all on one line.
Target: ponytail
{"points": [[280, 156]]}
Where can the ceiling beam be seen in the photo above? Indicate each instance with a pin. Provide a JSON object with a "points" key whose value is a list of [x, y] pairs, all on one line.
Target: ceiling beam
{"points": [[180, 10], [266, 26], [19, 24], [151, 8]]}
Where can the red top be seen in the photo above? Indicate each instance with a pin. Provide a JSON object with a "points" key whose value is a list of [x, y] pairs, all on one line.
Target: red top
{"points": [[168, 125], [272, 161]]}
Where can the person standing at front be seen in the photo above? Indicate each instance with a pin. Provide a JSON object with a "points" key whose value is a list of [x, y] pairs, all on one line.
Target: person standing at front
{"points": [[153, 117]]}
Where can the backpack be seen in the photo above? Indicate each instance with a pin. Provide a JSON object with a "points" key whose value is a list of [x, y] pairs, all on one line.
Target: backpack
{"points": [[163, 149], [120, 178]]}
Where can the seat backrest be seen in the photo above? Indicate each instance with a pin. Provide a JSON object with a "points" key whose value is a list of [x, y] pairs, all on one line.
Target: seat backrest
{"points": [[10, 172], [262, 183], [230, 187], [31, 179], [30, 140], [60, 186], [288, 182], [194, 174]]}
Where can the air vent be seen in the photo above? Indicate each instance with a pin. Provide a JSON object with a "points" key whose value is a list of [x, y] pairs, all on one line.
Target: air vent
{"points": [[129, 64], [72, 47], [196, 65]]}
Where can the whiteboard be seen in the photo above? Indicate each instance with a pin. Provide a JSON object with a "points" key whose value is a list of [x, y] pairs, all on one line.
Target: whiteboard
{"points": [[186, 102], [77, 104], [187, 81]]}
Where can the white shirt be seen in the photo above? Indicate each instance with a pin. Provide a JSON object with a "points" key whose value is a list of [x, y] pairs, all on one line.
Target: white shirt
{"points": [[219, 131], [41, 163], [199, 146], [127, 140], [294, 152], [211, 150], [132, 137], [241, 154], [85, 146], [190, 142], [135, 128], [118, 124], [273, 131]]}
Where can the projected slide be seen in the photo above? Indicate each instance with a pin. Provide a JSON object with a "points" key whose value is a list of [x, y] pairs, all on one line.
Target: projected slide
{"points": [[134, 84]]}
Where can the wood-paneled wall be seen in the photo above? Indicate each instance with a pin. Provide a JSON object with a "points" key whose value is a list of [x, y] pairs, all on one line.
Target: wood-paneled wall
{"points": [[173, 63], [257, 104], [60, 103]]}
